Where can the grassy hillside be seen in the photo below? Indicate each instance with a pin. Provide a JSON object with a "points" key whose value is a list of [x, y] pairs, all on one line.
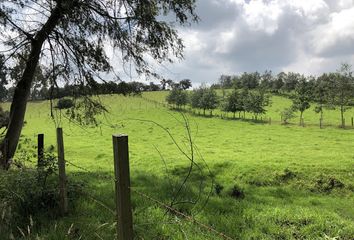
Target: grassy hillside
{"points": [[330, 117], [275, 182]]}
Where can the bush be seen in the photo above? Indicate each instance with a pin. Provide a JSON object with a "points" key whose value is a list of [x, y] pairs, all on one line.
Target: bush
{"points": [[65, 103], [27, 194], [287, 114]]}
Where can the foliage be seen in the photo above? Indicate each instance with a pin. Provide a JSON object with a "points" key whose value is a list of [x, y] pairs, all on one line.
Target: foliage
{"points": [[204, 98], [177, 97], [185, 84], [25, 193], [70, 38], [257, 101], [302, 96], [287, 114], [342, 89], [233, 103], [86, 111], [65, 103]]}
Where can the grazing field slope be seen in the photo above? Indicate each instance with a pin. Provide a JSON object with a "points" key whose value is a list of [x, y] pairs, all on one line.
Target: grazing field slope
{"points": [[258, 181]]}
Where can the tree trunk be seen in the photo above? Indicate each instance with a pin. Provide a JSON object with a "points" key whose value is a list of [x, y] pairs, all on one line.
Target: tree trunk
{"points": [[342, 116], [301, 118], [23, 88]]}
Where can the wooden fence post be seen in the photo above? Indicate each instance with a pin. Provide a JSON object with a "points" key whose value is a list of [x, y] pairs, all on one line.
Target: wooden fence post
{"points": [[352, 122], [122, 184], [62, 175], [40, 150]]}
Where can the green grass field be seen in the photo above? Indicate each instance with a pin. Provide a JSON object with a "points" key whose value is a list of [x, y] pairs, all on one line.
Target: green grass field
{"points": [[297, 182]]}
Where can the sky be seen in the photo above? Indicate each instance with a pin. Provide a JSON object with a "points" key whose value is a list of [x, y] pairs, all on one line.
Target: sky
{"points": [[235, 36]]}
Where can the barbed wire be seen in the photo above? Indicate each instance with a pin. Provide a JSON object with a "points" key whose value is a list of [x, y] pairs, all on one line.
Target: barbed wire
{"points": [[161, 204], [187, 217]]}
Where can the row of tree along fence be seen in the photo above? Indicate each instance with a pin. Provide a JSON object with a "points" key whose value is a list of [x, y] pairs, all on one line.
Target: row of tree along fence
{"points": [[282, 120], [123, 189]]}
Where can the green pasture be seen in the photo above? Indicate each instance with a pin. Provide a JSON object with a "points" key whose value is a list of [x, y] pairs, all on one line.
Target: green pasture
{"points": [[256, 181], [331, 117]]}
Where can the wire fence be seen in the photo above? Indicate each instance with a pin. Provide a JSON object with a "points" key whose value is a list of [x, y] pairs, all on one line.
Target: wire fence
{"points": [[174, 211]]}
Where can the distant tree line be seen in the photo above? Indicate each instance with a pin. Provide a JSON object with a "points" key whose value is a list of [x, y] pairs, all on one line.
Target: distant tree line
{"points": [[40, 91]]}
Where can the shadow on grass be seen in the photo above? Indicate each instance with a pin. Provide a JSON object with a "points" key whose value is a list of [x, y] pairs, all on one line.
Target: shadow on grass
{"points": [[278, 211]]}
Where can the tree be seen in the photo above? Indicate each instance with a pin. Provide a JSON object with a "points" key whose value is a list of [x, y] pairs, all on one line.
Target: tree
{"points": [[170, 83], [245, 100], [209, 100], [3, 81], [250, 80], [257, 101], [177, 97], [204, 98], [321, 94], [70, 36], [290, 81], [233, 103], [266, 80], [302, 96], [185, 84], [342, 90], [163, 83], [225, 81], [278, 82]]}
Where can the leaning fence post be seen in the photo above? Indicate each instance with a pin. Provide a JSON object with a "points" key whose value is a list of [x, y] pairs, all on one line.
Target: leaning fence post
{"points": [[122, 184], [40, 151], [62, 175]]}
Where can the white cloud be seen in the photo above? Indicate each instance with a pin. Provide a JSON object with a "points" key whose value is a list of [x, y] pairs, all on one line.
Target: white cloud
{"points": [[335, 37], [306, 36]]}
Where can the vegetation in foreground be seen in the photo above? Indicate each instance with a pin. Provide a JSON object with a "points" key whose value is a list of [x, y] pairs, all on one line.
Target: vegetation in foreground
{"points": [[269, 183]]}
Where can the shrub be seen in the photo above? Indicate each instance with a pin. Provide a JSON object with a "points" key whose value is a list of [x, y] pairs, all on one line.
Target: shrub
{"points": [[27, 193], [287, 114], [65, 103]]}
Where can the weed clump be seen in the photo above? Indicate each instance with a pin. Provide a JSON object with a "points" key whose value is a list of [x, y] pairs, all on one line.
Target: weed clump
{"points": [[237, 192], [286, 175], [327, 184], [218, 189]]}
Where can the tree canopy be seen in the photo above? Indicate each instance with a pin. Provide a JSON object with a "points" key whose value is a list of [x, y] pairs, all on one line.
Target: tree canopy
{"points": [[71, 37]]}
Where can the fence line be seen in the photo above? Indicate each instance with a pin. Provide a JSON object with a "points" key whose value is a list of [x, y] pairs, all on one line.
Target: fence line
{"points": [[187, 217], [120, 144]]}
